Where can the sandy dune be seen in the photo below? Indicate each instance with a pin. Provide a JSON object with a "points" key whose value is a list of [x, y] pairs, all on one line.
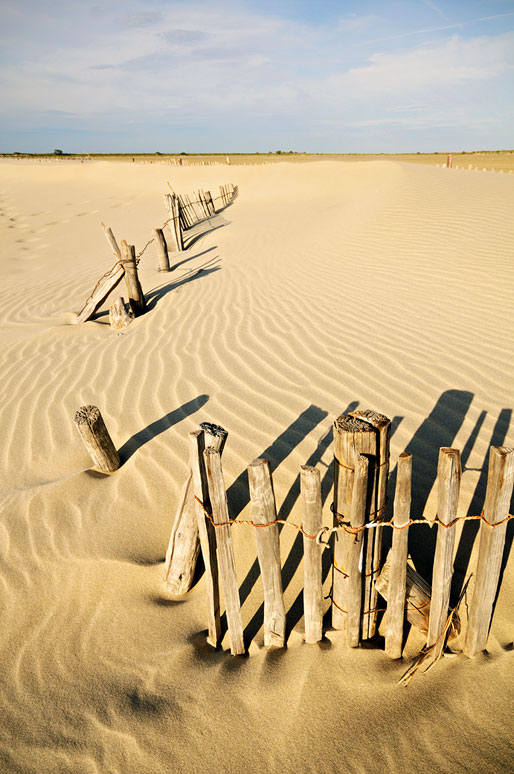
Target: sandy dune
{"points": [[324, 286]]}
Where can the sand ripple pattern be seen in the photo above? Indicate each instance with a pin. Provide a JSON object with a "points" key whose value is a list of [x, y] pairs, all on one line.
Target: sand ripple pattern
{"points": [[322, 287]]}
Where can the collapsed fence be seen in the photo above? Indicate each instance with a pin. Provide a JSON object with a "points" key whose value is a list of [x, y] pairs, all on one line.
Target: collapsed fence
{"points": [[183, 214]]}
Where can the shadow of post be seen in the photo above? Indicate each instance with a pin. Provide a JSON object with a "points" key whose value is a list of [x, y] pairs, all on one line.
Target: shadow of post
{"points": [[154, 429]]}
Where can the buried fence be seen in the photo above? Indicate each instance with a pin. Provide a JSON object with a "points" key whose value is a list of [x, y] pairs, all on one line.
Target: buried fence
{"points": [[361, 468], [183, 214]]}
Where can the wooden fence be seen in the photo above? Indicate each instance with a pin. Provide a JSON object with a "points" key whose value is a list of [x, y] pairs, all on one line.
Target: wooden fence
{"points": [[183, 214], [359, 579]]}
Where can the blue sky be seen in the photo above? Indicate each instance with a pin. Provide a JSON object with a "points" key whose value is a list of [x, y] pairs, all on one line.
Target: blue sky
{"points": [[328, 77]]}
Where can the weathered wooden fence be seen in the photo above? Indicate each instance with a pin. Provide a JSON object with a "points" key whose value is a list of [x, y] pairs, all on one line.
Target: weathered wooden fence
{"points": [[183, 213], [361, 467]]}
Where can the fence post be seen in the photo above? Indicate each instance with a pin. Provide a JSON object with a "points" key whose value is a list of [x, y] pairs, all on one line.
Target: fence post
{"points": [[264, 512], [135, 292], [225, 551], [162, 250], [207, 536], [448, 482], [399, 552], [96, 438], [357, 519], [373, 540], [351, 437], [496, 508], [310, 488]]}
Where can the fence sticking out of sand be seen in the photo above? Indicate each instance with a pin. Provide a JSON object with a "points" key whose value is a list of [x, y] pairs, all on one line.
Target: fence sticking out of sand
{"points": [[183, 214], [361, 468]]}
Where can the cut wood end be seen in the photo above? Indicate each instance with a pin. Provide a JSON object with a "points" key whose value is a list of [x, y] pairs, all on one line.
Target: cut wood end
{"points": [[348, 424], [309, 469], [502, 451], [211, 450], [257, 462], [216, 430], [372, 417], [86, 414]]}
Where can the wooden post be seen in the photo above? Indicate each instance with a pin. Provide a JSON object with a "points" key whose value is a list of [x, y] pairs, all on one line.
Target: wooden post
{"points": [[310, 487], [399, 552], [134, 290], [373, 541], [210, 202], [448, 482], [162, 250], [496, 508], [264, 512], [172, 240], [225, 550], [207, 536], [357, 519], [351, 438], [96, 438], [120, 314], [449, 161]]}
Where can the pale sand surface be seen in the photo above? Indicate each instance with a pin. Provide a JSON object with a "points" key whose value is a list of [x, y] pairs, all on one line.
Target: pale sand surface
{"points": [[324, 285]]}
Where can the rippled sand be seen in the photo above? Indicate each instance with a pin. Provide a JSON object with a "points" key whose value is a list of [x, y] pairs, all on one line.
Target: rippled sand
{"points": [[325, 286]]}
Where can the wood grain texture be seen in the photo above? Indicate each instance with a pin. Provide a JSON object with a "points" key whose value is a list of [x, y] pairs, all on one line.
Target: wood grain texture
{"points": [[224, 549], [492, 539], [162, 250], [351, 438], [395, 615], [310, 490], [134, 289], [120, 314], [448, 483], [357, 519], [207, 535], [268, 551], [184, 543], [96, 438]]}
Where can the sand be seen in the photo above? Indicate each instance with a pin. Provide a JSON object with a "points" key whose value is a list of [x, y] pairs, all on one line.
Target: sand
{"points": [[324, 286]]}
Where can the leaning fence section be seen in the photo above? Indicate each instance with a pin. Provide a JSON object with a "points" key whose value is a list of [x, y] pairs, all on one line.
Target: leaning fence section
{"points": [[183, 213], [363, 585]]}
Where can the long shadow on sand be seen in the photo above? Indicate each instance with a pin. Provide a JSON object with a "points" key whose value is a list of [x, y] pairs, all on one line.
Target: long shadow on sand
{"points": [[154, 429], [155, 295]]}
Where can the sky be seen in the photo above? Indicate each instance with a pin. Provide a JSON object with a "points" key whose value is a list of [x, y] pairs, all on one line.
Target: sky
{"points": [[256, 75]]}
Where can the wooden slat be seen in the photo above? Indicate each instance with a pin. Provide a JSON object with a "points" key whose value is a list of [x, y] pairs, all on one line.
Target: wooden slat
{"points": [[225, 551], [492, 539], [207, 536], [310, 488], [357, 519], [395, 615], [268, 551], [448, 482], [162, 250], [101, 293]]}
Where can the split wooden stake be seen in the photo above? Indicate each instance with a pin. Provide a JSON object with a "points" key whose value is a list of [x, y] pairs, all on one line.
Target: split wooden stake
{"points": [[268, 551], [162, 250], [225, 551], [310, 488], [120, 314], [492, 539], [448, 482], [395, 615], [357, 519]]}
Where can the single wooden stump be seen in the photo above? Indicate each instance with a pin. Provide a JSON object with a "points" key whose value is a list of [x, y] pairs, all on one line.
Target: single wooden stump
{"points": [[351, 438], [398, 557], [162, 250], [264, 513], [225, 551], [120, 314], [448, 482], [134, 290], [96, 439], [310, 488], [492, 539], [357, 519], [376, 512]]}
